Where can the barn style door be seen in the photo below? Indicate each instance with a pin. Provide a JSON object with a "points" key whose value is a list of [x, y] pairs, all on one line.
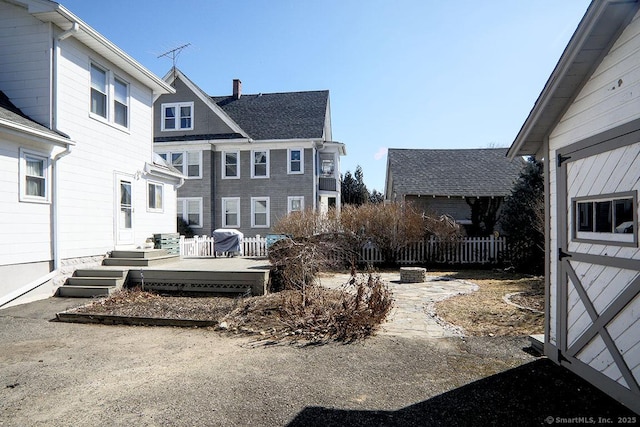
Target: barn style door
{"points": [[597, 298]]}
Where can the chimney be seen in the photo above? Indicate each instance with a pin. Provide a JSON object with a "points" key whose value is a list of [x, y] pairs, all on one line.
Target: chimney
{"points": [[237, 88]]}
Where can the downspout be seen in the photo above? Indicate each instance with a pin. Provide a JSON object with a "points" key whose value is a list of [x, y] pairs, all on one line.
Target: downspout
{"points": [[54, 125]]}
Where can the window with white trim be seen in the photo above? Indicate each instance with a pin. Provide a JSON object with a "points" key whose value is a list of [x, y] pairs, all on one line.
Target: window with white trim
{"points": [[606, 218], [295, 204], [230, 164], [260, 164], [230, 212], [155, 196], [190, 210], [109, 97], [295, 163], [34, 177], [98, 91], [177, 116], [120, 102], [187, 162], [260, 212]]}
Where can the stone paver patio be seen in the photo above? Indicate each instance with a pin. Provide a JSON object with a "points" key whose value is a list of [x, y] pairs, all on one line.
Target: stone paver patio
{"points": [[413, 314]]}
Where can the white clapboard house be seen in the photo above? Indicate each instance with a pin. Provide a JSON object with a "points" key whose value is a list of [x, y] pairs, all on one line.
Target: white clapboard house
{"points": [[586, 126], [77, 171]]}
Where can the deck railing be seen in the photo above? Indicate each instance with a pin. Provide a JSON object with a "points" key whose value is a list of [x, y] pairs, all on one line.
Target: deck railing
{"points": [[468, 250]]}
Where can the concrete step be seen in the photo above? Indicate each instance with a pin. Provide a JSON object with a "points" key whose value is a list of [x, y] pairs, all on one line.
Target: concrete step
{"points": [[95, 281], [100, 272], [84, 291], [138, 262], [140, 253]]}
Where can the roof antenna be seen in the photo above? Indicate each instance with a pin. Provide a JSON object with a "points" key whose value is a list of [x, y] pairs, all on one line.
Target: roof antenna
{"points": [[173, 54]]}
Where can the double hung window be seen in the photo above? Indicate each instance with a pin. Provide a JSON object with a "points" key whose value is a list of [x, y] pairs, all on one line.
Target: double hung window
{"points": [[177, 116], [295, 164], [260, 164], [109, 97], [230, 164], [190, 210], [187, 162], [231, 212], [155, 196], [260, 212], [34, 177]]}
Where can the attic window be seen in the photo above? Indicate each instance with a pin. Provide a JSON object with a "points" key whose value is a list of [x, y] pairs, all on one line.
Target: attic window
{"points": [[177, 116]]}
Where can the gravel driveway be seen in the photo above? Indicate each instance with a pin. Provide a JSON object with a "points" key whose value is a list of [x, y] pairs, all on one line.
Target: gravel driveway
{"points": [[61, 374]]}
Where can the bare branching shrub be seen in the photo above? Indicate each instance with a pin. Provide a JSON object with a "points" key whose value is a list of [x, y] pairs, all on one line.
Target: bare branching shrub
{"points": [[345, 315], [308, 223], [390, 227], [442, 226], [296, 262]]}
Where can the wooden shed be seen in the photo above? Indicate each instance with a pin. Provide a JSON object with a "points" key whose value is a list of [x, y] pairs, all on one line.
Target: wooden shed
{"points": [[586, 126]]}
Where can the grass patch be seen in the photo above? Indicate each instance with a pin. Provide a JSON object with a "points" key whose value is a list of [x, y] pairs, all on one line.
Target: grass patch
{"points": [[485, 313]]}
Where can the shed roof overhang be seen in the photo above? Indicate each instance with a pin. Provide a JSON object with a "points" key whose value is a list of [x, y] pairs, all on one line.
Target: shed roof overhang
{"points": [[597, 31], [49, 11]]}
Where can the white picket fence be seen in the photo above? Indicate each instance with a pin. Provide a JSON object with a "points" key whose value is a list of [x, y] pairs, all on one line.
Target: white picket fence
{"points": [[469, 250], [204, 246]]}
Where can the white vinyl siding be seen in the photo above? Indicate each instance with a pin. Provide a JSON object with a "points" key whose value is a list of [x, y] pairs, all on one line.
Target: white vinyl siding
{"points": [[260, 212], [230, 212], [190, 210], [177, 116]]}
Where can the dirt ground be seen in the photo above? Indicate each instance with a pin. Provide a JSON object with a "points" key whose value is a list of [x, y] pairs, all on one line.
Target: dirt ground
{"points": [[61, 374]]}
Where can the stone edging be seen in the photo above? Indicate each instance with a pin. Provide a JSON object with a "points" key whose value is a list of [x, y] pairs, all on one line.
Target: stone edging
{"points": [[507, 299]]}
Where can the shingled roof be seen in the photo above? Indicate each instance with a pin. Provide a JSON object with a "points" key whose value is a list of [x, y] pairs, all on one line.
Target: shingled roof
{"points": [[288, 115], [468, 172], [11, 113]]}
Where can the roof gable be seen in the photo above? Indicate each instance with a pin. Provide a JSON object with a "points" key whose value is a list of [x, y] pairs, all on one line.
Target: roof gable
{"points": [[175, 73], [598, 30], [461, 173]]}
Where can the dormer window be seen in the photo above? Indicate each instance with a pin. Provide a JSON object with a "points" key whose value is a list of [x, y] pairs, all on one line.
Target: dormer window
{"points": [[177, 116]]}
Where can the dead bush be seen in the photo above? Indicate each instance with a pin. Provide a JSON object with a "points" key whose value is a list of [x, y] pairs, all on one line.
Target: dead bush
{"points": [[295, 262], [349, 314]]}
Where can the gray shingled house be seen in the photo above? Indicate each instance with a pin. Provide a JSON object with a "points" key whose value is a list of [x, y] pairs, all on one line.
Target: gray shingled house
{"points": [[249, 158], [467, 184]]}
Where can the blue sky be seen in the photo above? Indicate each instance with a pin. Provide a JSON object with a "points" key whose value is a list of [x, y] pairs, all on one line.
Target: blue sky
{"points": [[401, 73]]}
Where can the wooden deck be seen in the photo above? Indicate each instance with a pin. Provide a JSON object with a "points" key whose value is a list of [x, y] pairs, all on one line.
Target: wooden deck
{"points": [[207, 275]]}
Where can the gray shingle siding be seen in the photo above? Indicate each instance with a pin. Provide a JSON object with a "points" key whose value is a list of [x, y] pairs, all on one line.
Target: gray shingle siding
{"points": [[201, 188], [204, 120], [278, 188]]}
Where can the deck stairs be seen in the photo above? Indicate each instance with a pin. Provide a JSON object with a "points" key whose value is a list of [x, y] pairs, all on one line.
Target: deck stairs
{"points": [[112, 275]]}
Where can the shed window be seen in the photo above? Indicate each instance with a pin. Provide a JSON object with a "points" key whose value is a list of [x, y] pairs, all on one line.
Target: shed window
{"points": [[606, 218]]}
